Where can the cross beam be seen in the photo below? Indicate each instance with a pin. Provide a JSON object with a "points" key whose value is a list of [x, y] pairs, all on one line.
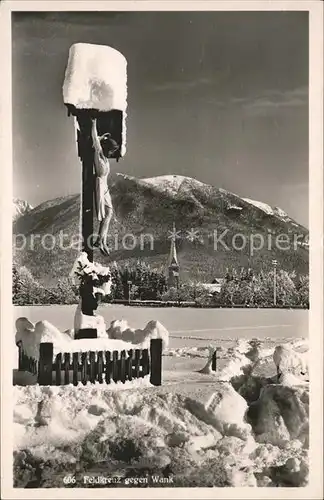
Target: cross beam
{"points": [[110, 121], [86, 154]]}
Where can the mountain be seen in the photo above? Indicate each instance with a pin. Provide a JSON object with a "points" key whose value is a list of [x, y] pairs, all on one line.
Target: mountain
{"points": [[213, 225], [20, 207]]}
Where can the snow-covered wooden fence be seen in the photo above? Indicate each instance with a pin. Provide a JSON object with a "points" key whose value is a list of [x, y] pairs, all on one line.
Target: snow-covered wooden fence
{"points": [[26, 363], [91, 366]]}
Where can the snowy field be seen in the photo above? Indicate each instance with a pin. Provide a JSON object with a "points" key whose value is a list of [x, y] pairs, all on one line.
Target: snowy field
{"points": [[188, 327], [239, 426]]}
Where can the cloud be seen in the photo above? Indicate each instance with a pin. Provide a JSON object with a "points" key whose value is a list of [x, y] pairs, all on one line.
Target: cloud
{"points": [[273, 100], [215, 80], [267, 102], [181, 85]]}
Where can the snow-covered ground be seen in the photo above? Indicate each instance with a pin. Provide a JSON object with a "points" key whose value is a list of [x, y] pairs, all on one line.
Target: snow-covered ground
{"points": [[186, 326], [234, 427]]}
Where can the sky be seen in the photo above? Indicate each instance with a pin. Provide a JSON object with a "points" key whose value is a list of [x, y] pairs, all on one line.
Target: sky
{"points": [[218, 96]]}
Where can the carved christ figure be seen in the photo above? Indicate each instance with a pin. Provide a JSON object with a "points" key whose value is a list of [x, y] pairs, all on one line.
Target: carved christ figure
{"points": [[104, 147]]}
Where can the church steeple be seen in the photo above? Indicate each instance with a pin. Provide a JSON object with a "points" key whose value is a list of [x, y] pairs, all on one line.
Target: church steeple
{"points": [[174, 268], [173, 259]]}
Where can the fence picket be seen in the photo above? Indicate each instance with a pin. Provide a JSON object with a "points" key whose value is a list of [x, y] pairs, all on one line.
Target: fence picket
{"points": [[156, 362], [137, 363], [115, 367], [100, 366], [75, 367], [145, 363], [20, 355], [123, 366], [92, 368], [108, 367], [130, 364], [84, 363], [25, 362], [22, 360], [58, 368], [66, 368], [46, 363]]}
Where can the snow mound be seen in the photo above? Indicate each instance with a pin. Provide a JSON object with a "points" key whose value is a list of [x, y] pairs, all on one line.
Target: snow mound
{"points": [[248, 357], [84, 321], [290, 380], [136, 431], [23, 328], [280, 415], [288, 360], [237, 362], [95, 78], [207, 369], [119, 329], [200, 442], [119, 337], [225, 410], [31, 336], [189, 352], [247, 430]]}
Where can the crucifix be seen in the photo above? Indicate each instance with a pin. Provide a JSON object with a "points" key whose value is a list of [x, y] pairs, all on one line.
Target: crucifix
{"points": [[95, 94]]}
